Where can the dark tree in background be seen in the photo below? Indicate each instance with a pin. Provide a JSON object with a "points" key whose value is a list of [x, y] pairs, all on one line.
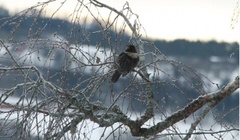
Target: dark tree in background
{"points": [[55, 79]]}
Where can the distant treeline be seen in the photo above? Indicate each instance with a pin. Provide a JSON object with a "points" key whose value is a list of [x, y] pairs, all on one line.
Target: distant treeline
{"points": [[198, 48]]}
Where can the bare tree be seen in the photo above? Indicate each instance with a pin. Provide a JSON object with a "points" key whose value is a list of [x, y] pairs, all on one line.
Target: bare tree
{"points": [[57, 87]]}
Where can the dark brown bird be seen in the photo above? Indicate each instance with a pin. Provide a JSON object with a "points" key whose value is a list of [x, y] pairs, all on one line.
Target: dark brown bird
{"points": [[126, 62]]}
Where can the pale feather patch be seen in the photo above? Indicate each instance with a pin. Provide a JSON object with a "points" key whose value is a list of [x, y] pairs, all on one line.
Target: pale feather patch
{"points": [[133, 55]]}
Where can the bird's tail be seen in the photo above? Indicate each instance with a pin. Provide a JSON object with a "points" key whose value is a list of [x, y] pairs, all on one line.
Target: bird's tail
{"points": [[115, 76]]}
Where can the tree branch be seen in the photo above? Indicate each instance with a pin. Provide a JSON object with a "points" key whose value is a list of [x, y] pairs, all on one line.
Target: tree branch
{"points": [[213, 98], [114, 114]]}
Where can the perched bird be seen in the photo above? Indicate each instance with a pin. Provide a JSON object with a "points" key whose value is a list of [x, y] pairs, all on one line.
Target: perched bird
{"points": [[126, 62]]}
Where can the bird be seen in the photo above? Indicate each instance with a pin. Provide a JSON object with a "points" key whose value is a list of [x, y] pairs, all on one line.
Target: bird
{"points": [[126, 62]]}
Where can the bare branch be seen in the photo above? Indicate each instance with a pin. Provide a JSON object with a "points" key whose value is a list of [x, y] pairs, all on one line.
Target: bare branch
{"points": [[196, 104]]}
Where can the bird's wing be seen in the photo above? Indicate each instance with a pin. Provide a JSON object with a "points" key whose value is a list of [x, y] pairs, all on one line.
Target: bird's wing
{"points": [[124, 62]]}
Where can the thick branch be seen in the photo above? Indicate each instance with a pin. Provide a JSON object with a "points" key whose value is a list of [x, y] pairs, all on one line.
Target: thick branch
{"points": [[198, 120], [214, 98], [116, 115]]}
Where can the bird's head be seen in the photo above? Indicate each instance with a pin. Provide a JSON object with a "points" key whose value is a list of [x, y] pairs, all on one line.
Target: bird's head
{"points": [[131, 48]]}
